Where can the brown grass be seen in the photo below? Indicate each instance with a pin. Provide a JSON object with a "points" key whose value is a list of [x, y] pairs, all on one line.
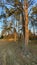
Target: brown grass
{"points": [[11, 53]]}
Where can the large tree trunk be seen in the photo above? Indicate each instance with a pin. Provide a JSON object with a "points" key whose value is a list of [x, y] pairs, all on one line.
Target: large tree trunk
{"points": [[26, 24]]}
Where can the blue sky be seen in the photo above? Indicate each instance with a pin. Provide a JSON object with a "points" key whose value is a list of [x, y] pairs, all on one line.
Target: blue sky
{"points": [[9, 18]]}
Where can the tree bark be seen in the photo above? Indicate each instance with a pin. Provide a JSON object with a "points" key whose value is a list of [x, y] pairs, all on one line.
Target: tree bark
{"points": [[26, 24], [23, 21]]}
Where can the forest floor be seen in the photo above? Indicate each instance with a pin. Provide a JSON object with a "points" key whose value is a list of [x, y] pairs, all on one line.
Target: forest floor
{"points": [[11, 53]]}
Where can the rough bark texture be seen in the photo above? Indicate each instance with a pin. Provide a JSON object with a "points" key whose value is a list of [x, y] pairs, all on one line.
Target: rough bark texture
{"points": [[26, 24]]}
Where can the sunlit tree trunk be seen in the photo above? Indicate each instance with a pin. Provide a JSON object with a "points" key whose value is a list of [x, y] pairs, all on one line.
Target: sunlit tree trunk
{"points": [[26, 24]]}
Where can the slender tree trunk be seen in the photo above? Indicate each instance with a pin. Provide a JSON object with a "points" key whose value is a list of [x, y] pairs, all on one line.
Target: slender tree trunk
{"points": [[23, 21], [33, 30], [26, 24], [23, 24]]}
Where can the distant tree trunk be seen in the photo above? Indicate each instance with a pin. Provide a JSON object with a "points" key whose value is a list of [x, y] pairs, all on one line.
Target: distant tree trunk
{"points": [[33, 30], [26, 24]]}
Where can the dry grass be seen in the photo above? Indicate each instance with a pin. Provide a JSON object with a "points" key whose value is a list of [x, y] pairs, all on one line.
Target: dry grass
{"points": [[11, 53]]}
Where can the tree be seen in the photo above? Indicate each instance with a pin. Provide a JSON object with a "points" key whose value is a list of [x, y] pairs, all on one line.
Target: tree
{"points": [[25, 22], [17, 9], [33, 18], [7, 27]]}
